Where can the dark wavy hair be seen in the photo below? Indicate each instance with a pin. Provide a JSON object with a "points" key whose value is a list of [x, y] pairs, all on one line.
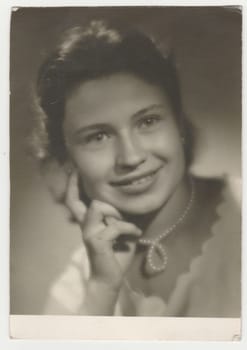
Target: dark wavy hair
{"points": [[96, 51]]}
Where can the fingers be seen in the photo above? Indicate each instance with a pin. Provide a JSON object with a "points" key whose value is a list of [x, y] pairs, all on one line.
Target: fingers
{"points": [[118, 227], [113, 230], [97, 214], [72, 198], [88, 217], [101, 220]]}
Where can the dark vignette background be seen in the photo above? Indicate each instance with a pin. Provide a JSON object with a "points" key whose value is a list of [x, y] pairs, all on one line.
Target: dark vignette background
{"points": [[207, 45]]}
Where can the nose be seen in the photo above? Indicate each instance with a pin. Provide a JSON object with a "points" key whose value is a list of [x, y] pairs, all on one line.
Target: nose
{"points": [[130, 152]]}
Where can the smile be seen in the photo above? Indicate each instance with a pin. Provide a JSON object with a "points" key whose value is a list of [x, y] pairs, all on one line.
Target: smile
{"points": [[137, 184], [141, 180]]}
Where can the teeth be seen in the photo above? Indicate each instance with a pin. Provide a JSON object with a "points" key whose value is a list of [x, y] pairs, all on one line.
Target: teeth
{"points": [[140, 181]]}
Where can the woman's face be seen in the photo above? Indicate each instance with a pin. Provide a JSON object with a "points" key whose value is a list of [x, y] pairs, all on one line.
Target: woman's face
{"points": [[123, 138]]}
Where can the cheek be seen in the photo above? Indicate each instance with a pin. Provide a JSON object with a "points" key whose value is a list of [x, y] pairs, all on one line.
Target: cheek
{"points": [[167, 144], [94, 167]]}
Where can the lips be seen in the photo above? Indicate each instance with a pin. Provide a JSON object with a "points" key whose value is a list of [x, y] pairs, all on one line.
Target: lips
{"points": [[138, 183]]}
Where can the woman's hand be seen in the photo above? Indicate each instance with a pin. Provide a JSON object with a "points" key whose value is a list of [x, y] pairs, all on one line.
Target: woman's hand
{"points": [[101, 226]]}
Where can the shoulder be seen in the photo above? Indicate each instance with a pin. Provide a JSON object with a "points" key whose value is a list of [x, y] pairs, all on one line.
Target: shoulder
{"points": [[218, 269], [223, 196]]}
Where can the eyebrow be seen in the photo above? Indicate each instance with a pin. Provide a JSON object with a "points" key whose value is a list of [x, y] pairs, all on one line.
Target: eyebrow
{"points": [[105, 125], [147, 109], [90, 128]]}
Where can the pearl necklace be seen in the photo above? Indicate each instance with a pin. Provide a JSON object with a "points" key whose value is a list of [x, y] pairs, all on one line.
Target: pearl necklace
{"points": [[155, 245]]}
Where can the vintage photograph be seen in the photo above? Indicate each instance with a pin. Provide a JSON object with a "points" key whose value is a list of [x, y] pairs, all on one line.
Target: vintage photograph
{"points": [[125, 134]]}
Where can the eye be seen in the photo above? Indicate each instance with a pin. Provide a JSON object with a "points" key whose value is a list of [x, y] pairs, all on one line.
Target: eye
{"points": [[97, 137], [149, 121]]}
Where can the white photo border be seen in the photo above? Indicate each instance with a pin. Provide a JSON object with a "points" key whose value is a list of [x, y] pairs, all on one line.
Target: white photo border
{"points": [[7, 323]]}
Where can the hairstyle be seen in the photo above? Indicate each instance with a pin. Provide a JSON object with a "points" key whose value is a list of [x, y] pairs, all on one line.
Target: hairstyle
{"points": [[96, 51]]}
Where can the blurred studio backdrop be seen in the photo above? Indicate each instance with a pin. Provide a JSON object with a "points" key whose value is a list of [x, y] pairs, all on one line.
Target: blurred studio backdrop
{"points": [[206, 42]]}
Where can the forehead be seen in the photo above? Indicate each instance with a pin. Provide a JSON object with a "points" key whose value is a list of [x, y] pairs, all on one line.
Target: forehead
{"points": [[118, 96]]}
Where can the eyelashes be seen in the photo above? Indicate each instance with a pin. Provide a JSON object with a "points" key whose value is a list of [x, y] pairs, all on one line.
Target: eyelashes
{"points": [[143, 123], [149, 121], [99, 138]]}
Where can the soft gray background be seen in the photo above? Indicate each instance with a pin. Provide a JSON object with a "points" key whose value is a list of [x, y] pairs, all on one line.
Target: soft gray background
{"points": [[207, 45]]}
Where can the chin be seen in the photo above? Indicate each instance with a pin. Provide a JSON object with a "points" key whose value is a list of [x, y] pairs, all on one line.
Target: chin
{"points": [[141, 207]]}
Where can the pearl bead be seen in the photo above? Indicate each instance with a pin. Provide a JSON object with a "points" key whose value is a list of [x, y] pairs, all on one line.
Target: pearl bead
{"points": [[155, 245]]}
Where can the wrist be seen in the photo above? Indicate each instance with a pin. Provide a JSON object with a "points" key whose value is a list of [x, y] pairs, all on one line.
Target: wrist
{"points": [[99, 283], [100, 298]]}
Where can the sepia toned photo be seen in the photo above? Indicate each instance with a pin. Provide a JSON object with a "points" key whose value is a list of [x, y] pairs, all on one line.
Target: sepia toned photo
{"points": [[125, 134]]}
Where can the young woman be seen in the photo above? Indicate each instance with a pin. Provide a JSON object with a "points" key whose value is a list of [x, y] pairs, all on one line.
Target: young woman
{"points": [[155, 240]]}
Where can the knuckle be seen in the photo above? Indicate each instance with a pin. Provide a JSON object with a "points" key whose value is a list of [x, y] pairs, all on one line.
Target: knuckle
{"points": [[113, 225], [114, 229], [95, 204]]}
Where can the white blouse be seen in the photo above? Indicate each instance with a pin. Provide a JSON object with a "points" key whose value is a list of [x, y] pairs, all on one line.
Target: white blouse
{"points": [[210, 288]]}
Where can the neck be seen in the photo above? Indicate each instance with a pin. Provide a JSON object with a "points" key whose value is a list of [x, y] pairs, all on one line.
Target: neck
{"points": [[154, 223]]}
